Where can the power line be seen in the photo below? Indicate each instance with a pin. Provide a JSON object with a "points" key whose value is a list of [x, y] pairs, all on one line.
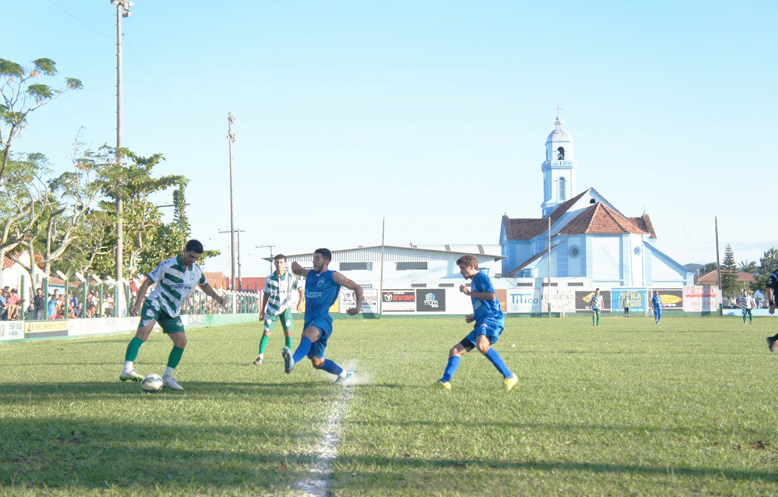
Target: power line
{"points": [[147, 72]]}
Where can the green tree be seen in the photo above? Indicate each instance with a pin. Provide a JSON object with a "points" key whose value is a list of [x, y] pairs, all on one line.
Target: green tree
{"points": [[134, 182], [21, 96], [767, 265], [748, 267], [729, 273]]}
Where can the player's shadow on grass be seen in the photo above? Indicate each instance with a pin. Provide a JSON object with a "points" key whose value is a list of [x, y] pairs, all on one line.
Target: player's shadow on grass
{"points": [[182, 457], [304, 389]]}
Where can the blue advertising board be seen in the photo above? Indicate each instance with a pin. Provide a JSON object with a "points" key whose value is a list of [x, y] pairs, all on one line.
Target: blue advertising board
{"points": [[638, 299]]}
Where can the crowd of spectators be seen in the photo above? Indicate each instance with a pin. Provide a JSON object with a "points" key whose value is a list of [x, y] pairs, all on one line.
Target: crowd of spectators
{"points": [[57, 305]]}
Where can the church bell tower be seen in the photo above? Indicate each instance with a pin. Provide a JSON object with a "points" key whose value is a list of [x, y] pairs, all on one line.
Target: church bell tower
{"points": [[559, 168]]}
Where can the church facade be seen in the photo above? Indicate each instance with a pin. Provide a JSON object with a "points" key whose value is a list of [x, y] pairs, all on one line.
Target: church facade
{"points": [[591, 243]]}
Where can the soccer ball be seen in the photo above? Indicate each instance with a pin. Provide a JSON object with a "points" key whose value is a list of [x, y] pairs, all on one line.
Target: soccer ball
{"points": [[152, 383]]}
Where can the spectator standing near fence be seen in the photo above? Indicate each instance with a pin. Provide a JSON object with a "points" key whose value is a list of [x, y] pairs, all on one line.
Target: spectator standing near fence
{"points": [[656, 303], [39, 304], [772, 291], [626, 303]]}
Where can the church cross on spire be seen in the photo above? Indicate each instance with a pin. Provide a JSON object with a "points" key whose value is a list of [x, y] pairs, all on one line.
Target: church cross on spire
{"points": [[558, 108]]}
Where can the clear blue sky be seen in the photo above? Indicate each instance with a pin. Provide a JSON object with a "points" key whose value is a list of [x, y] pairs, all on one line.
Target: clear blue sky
{"points": [[433, 114]]}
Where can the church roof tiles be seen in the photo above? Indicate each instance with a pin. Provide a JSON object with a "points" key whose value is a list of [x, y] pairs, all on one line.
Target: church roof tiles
{"points": [[599, 219]]}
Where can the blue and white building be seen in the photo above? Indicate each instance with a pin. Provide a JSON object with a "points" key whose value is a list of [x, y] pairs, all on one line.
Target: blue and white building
{"points": [[591, 243]]}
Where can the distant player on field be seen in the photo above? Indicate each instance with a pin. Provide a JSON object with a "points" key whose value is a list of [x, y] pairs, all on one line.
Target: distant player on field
{"points": [[626, 304], [489, 324], [596, 307], [276, 299], [175, 281], [321, 290], [772, 296], [746, 304], [656, 303]]}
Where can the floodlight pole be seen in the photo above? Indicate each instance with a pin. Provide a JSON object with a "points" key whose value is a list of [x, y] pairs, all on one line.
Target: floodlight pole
{"points": [[122, 10], [231, 140]]}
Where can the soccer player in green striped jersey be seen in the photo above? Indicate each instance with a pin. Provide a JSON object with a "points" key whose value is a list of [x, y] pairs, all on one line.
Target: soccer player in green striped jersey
{"points": [[175, 280], [276, 301]]}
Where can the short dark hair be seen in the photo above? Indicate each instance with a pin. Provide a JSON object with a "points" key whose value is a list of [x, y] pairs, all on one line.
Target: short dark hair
{"points": [[324, 253], [194, 246], [279, 257], [470, 260]]}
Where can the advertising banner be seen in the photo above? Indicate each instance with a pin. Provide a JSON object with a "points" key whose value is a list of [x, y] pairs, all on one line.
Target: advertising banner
{"points": [[369, 301], [700, 299], [583, 300], [11, 330], [672, 298], [41, 329], [534, 301], [502, 298], [638, 299], [398, 301], [430, 300]]}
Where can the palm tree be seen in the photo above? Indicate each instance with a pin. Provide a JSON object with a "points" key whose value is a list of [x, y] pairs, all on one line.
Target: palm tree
{"points": [[748, 267]]}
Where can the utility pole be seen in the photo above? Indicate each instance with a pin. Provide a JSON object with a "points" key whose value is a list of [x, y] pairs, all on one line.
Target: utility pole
{"points": [[240, 278], [122, 10], [231, 140], [718, 267], [271, 253]]}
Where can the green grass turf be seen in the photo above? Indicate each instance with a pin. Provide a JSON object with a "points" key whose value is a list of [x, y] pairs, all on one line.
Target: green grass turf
{"points": [[628, 408]]}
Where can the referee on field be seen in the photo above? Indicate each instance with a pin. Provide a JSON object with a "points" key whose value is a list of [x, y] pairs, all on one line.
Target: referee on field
{"points": [[276, 299]]}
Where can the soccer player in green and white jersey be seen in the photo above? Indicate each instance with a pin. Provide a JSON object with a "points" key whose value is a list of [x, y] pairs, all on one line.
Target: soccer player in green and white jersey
{"points": [[175, 281], [276, 299]]}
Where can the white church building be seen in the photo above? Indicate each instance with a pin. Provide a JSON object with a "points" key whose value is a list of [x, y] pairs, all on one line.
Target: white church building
{"points": [[591, 243]]}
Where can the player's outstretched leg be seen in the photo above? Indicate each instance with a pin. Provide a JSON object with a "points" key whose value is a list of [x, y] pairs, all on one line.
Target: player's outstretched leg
{"points": [[291, 359], [129, 373], [332, 368], [262, 347]]}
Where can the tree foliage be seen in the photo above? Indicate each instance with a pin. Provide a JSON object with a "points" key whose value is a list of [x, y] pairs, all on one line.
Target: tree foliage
{"points": [[767, 264], [21, 95], [729, 273]]}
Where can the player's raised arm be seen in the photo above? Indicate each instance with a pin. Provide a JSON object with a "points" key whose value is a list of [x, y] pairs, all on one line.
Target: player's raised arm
{"points": [[343, 281], [298, 269], [208, 289]]}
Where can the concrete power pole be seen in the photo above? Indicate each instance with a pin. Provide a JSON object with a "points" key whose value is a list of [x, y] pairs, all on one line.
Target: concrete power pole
{"points": [[231, 140], [122, 10]]}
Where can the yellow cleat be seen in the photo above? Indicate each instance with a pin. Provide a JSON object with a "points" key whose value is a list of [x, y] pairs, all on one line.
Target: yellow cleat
{"points": [[511, 382], [443, 385]]}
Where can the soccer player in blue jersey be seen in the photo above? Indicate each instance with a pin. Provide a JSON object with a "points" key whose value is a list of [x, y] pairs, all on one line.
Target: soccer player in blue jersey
{"points": [[656, 303], [321, 290], [489, 324]]}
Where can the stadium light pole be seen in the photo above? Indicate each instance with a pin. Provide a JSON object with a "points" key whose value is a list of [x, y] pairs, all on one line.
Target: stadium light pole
{"points": [[122, 10]]}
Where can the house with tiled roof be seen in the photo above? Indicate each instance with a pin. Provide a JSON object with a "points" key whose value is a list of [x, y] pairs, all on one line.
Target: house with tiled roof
{"points": [[591, 242]]}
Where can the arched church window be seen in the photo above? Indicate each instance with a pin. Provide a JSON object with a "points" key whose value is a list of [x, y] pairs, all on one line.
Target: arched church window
{"points": [[561, 153], [562, 189]]}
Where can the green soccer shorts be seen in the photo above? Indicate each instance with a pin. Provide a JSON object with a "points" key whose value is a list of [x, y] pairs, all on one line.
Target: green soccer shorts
{"points": [[168, 324], [285, 317]]}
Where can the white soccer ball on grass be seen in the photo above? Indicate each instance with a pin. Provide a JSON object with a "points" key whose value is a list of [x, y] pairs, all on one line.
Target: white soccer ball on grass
{"points": [[152, 383]]}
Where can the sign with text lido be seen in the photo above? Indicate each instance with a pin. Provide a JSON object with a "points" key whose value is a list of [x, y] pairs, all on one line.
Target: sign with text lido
{"points": [[369, 301], [672, 298], [430, 300], [636, 297], [583, 300], [398, 301]]}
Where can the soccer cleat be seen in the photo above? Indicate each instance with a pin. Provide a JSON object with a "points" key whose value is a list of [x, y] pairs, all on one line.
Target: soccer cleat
{"points": [[130, 376], [342, 379], [771, 344], [286, 353], [170, 382], [258, 361], [442, 385], [511, 382]]}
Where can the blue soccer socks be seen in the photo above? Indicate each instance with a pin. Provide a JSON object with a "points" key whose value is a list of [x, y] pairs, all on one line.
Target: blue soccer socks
{"points": [[451, 367], [495, 358], [302, 349], [331, 367]]}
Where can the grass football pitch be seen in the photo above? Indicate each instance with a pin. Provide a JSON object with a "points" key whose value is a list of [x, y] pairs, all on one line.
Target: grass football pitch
{"points": [[628, 408]]}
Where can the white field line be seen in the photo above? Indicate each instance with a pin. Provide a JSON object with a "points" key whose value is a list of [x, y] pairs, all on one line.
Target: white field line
{"points": [[318, 481]]}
